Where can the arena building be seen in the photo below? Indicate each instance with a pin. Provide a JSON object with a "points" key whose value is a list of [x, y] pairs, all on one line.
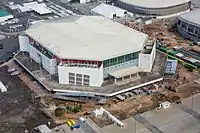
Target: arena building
{"points": [[155, 7], [189, 25], [87, 50]]}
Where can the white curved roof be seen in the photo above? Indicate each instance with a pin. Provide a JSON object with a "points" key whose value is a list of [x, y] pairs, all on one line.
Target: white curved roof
{"points": [[154, 3], [108, 10], [192, 16], [87, 37]]}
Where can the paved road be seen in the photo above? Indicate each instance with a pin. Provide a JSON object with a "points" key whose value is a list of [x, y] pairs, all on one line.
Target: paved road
{"points": [[147, 124]]}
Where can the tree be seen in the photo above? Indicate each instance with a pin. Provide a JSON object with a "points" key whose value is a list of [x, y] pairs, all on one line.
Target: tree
{"points": [[77, 109], [59, 112]]}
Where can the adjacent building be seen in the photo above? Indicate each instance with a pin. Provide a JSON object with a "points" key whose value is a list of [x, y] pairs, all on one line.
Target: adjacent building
{"points": [[155, 7], [39, 8], [88, 50], [109, 11], [4, 15], [189, 25]]}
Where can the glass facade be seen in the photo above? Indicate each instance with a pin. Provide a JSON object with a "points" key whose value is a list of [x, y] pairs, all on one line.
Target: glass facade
{"points": [[120, 59], [42, 50], [191, 28], [188, 30]]}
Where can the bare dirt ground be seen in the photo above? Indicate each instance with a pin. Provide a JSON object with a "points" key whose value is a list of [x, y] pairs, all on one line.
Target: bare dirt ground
{"points": [[121, 110], [165, 30], [184, 85], [28, 80], [18, 111]]}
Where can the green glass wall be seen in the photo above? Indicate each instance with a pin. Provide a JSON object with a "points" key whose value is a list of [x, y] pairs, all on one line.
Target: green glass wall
{"points": [[120, 59]]}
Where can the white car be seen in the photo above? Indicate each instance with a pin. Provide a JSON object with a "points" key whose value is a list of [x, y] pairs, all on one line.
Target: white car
{"points": [[81, 119]]}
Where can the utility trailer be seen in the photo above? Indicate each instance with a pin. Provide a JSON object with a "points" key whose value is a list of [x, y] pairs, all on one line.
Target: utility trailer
{"points": [[15, 73]]}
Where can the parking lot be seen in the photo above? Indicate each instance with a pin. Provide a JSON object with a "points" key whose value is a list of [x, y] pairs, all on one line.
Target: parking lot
{"points": [[20, 21]]}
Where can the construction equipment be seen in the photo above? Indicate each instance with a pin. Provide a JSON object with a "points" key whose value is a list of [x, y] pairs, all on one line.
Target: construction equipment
{"points": [[75, 126], [69, 123]]}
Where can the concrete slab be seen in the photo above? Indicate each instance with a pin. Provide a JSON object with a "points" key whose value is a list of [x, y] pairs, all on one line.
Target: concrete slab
{"points": [[173, 120], [130, 125], [147, 124], [193, 102]]}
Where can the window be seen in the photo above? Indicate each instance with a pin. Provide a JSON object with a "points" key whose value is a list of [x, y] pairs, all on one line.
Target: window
{"points": [[78, 75], [136, 55], [72, 74], [86, 77], [71, 78], [179, 22], [71, 82], [47, 53], [120, 59], [197, 31], [86, 80], [105, 64], [133, 56], [191, 28], [184, 25], [78, 83], [128, 57], [78, 79], [114, 61]]}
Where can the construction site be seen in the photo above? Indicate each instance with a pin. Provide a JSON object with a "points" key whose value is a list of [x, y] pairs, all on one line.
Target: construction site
{"points": [[172, 88], [61, 107], [32, 95]]}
